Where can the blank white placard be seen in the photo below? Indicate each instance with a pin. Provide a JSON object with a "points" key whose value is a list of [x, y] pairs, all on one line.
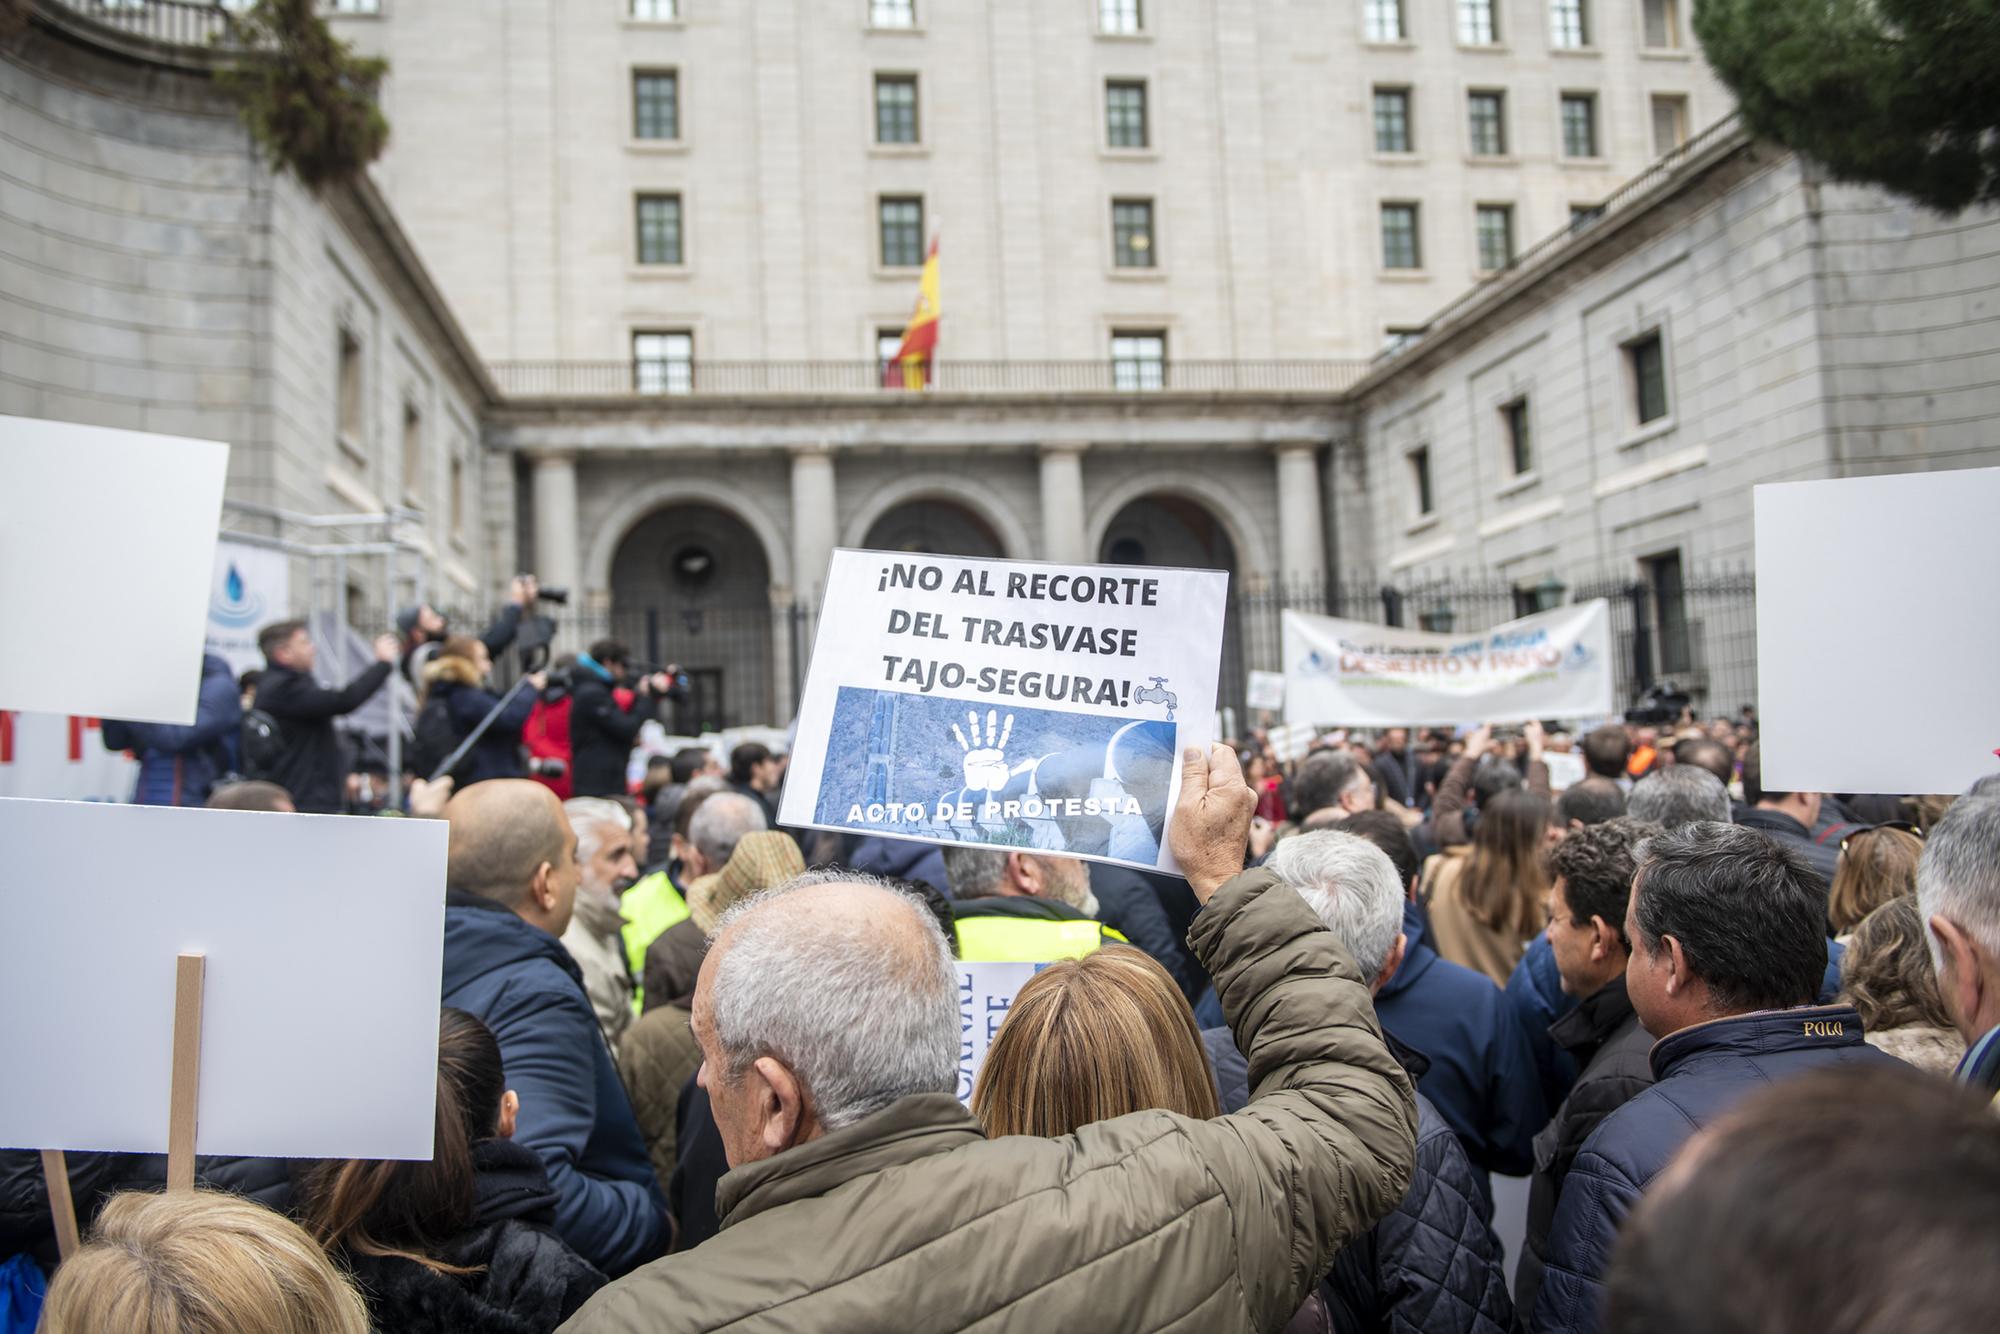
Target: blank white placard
{"points": [[1878, 635], [105, 552], [324, 937]]}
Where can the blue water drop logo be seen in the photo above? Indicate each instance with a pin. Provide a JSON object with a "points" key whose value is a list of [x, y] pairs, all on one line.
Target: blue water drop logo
{"points": [[233, 585]]}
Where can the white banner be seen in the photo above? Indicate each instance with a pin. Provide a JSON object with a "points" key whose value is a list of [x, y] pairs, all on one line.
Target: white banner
{"points": [[1556, 664], [61, 758], [250, 588], [1266, 691], [986, 992], [1011, 703]]}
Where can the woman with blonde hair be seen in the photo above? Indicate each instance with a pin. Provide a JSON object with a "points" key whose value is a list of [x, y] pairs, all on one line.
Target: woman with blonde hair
{"points": [[455, 699], [1887, 976], [1875, 866], [1487, 904], [199, 1262]]}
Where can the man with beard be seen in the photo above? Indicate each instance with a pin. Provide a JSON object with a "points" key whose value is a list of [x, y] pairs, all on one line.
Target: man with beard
{"points": [[595, 935]]}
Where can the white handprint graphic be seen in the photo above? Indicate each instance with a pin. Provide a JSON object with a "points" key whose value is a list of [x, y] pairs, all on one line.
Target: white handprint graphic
{"points": [[985, 756]]}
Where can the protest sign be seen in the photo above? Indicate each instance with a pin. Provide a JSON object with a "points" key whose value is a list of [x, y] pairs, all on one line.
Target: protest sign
{"points": [[250, 587], [62, 584], [1864, 614], [47, 755], [322, 937], [985, 992], [1291, 741], [1556, 664], [1266, 691], [1006, 703], [1566, 769]]}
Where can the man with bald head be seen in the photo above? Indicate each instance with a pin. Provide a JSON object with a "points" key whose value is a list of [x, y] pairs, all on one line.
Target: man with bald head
{"points": [[862, 1194], [510, 890]]}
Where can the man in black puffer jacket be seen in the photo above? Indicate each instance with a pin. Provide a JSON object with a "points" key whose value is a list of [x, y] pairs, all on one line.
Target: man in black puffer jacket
{"points": [[1432, 1266]]}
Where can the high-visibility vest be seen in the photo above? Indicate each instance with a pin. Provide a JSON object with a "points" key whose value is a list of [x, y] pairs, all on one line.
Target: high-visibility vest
{"points": [[1000, 939], [649, 908]]}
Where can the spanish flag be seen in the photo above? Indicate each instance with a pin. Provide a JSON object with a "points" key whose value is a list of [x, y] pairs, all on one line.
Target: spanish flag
{"points": [[911, 366]]}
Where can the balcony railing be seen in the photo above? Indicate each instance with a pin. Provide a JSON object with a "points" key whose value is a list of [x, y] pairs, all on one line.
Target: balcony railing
{"points": [[168, 22], [603, 379]]}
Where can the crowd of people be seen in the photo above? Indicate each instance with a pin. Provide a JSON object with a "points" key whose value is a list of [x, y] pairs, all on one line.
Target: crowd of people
{"points": [[700, 1071]]}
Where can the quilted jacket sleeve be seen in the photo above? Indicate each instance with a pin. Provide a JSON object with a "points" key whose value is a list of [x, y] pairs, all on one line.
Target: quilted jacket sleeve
{"points": [[1596, 1196], [1327, 1143], [1440, 1264]]}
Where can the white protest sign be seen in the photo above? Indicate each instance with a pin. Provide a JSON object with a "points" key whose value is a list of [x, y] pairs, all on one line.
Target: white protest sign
{"points": [[63, 584], [1291, 741], [1556, 664], [1868, 614], [47, 755], [1266, 691], [1565, 769], [324, 939], [1010, 703], [250, 587], [985, 993]]}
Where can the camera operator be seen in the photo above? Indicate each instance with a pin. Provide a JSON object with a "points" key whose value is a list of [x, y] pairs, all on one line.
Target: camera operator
{"points": [[421, 628], [310, 763], [602, 725]]}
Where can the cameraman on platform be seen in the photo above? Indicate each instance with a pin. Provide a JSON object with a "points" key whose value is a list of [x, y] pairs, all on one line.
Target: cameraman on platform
{"points": [[604, 720], [421, 628]]}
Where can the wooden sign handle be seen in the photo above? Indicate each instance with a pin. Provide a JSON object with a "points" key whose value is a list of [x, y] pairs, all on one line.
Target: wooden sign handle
{"points": [[186, 1087], [62, 1206]]}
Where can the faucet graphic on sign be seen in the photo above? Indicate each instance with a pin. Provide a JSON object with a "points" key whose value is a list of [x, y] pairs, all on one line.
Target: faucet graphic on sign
{"points": [[1157, 693]]}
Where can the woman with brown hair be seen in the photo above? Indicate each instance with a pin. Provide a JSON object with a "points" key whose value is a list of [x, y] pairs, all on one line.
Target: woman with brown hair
{"points": [[454, 701], [1887, 976], [1487, 904], [461, 1242], [1875, 866]]}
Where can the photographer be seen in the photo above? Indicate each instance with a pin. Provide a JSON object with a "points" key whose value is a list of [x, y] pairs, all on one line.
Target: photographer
{"points": [[455, 701], [602, 726], [310, 763], [421, 627]]}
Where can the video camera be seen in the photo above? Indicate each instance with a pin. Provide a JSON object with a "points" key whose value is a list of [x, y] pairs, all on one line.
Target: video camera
{"points": [[1661, 706]]}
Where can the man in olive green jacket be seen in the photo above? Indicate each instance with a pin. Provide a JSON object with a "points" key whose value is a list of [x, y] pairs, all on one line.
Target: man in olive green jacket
{"points": [[863, 1197]]}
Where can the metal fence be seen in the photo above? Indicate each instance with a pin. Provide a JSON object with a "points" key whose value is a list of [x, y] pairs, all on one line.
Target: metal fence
{"points": [[596, 379], [169, 22]]}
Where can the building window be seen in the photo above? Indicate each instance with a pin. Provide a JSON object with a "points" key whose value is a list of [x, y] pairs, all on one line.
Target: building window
{"points": [[895, 108], [1579, 124], [1400, 248], [1646, 368], [356, 6], [1662, 21], [1670, 619], [1486, 115], [1494, 225], [1569, 24], [656, 104], [1420, 479], [349, 407], [1397, 337], [663, 362], [892, 13], [457, 497], [656, 11], [1582, 215], [1138, 359], [1520, 443], [888, 342], [1392, 120], [413, 453], [1670, 124], [902, 221], [1125, 114], [1383, 20], [1124, 17], [660, 229], [1478, 25], [1132, 234]]}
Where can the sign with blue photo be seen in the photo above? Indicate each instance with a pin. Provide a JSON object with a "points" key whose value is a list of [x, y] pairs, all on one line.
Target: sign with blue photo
{"points": [[1006, 703]]}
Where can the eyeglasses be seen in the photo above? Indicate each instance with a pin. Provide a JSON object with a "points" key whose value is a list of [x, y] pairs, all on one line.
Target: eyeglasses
{"points": [[1904, 825]]}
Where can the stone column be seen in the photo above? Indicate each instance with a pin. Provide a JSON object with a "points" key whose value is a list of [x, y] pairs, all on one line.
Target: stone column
{"points": [[1063, 536], [814, 519], [557, 560], [785, 616], [1301, 535]]}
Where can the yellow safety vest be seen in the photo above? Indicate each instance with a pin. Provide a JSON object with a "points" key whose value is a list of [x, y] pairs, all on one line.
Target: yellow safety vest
{"points": [[649, 908], [1000, 939]]}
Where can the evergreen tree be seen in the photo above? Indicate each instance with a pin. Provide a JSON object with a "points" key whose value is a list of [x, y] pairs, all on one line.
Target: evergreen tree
{"points": [[307, 98]]}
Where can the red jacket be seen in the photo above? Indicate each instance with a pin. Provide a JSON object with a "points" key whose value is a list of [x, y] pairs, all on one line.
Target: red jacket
{"points": [[547, 737]]}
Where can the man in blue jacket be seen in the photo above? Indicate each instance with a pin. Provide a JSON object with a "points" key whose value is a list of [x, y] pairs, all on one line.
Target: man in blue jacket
{"points": [[179, 764], [510, 887], [1728, 937]]}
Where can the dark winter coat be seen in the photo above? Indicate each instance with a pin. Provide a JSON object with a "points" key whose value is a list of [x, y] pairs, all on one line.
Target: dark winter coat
{"points": [[313, 767], [601, 734], [1604, 1034], [497, 753], [1482, 1073], [527, 1280], [900, 859], [1432, 1266], [521, 983], [1536, 999], [1700, 1074], [179, 764], [1821, 850], [25, 1222]]}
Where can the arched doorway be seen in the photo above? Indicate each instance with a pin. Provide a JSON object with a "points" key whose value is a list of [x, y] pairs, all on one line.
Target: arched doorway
{"points": [[1172, 530], [690, 584], [934, 527]]}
